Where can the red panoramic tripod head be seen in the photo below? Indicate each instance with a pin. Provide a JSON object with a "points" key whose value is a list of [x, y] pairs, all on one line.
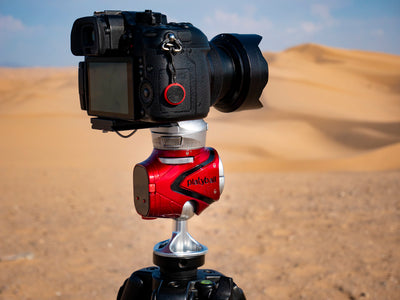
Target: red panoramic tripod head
{"points": [[179, 170]]}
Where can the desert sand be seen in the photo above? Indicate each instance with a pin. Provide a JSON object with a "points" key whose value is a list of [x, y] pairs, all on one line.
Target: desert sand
{"points": [[310, 210]]}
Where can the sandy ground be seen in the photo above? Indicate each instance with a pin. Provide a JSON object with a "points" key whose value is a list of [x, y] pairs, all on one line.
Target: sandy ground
{"points": [[310, 210]]}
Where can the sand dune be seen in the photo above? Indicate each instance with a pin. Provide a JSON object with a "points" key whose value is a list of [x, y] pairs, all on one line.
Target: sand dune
{"points": [[293, 228], [330, 106], [349, 85]]}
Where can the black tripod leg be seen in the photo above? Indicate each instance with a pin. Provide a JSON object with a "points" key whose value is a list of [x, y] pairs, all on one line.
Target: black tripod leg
{"points": [[227, 290], [138, 286]]}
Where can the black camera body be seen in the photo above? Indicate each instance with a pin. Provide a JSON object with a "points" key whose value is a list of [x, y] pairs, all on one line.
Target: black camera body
{"points": [[140, 71]]}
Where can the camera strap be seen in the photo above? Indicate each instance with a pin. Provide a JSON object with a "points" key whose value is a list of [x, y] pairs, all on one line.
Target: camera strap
{"points": [[171, 45], [171, 68], [174, 93]]}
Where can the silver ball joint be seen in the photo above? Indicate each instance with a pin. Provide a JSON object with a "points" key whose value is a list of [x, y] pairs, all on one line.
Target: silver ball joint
{"points": [[187, 211], [181, 244]]}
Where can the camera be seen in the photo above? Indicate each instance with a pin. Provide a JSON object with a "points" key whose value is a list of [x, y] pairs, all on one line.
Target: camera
{"points": [[141, 71]]}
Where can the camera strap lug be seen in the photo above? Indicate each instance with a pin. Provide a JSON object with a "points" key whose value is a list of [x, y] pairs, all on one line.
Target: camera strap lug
{"points": [[171, 43]]}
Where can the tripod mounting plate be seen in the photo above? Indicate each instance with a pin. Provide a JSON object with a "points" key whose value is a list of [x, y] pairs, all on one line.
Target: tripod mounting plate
{"points": [[118, 125], [186, 267]]}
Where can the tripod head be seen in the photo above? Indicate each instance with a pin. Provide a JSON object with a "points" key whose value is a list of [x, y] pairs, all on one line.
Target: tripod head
{"points": [[180, 178], [180, 170]]}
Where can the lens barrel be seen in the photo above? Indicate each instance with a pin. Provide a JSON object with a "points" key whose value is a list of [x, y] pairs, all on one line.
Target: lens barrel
{"points": [[239, 72]]}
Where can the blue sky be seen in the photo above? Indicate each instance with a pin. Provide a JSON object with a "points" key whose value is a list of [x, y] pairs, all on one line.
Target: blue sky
{"points": [[37, 32]]}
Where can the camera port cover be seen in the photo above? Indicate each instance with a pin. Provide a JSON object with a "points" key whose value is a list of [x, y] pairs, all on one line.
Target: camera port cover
{"points": [[174, 93]]}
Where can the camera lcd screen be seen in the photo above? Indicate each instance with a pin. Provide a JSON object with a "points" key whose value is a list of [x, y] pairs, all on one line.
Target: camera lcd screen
{"points": [[110, 89]]}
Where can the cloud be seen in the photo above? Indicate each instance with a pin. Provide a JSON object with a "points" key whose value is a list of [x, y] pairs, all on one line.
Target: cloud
{"points": [[322, 11], [9, 24], [306, 28], [16, 39], [233, 22], [13, 28], [310, 27], [320, 19], [377, 32]]}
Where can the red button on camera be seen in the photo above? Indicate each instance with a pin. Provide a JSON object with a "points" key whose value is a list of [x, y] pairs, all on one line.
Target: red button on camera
{"points": [[174, 93]]}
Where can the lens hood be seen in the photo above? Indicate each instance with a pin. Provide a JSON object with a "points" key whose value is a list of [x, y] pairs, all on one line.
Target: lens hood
{"points": [[250, 71]]}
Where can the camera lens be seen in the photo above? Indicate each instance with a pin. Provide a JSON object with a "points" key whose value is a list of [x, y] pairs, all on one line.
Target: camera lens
{"points": [[239, 72]]}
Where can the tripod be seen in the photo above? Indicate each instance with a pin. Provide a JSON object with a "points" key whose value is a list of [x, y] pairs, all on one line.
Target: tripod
{"points": [[180, 178]]}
